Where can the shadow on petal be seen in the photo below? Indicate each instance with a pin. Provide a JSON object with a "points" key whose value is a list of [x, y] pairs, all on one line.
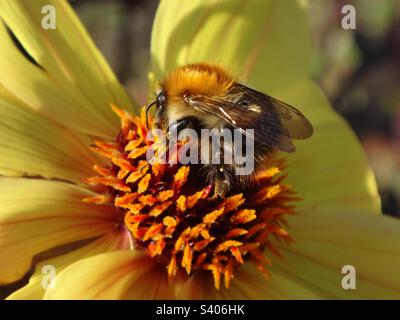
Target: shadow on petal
{"points": [[116, 275]]}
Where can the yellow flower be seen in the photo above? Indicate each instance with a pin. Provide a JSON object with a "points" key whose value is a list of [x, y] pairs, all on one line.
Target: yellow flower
{"points": [[56, 102], [173, 216]]}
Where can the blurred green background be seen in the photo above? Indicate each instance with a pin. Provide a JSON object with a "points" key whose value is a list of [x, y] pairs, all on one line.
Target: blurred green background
{"points": [[359, 70]]}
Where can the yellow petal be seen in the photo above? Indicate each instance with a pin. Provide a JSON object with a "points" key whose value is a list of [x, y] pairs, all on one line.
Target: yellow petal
{"points": [[35, 289], [31, 144], [116, 275], [37, 215], [330, 169], [327, 241], [266, 42], [312, 267], [73, 85], [248, 284]]}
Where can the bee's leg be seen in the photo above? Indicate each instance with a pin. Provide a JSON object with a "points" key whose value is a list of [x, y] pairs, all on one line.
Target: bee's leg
{"points": [[223, 182], [221, 188]]}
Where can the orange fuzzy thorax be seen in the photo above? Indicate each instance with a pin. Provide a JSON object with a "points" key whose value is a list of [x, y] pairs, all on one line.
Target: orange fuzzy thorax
{"points": [[199, 78]]}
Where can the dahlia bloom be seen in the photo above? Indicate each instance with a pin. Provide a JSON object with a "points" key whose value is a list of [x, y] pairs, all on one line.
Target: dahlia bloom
{"points": [[78, 195]]}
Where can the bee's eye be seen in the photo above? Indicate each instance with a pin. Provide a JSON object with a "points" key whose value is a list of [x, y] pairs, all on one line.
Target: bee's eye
{"points": [[161, 99]]}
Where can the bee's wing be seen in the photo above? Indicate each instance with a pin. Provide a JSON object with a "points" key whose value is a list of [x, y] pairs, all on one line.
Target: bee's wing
{"points": [[274, 122], [290, 118], [219, 107]]}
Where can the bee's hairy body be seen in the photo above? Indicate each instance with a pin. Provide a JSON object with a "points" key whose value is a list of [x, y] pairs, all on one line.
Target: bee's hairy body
{"points": [[205, 96], [197, 79]]}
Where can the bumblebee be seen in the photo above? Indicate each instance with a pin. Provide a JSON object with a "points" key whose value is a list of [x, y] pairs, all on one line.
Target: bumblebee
{"points": [[205, 96]]}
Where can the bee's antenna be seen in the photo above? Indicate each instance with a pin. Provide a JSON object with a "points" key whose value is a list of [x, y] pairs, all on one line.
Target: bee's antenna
{"points": [[147, 111]]}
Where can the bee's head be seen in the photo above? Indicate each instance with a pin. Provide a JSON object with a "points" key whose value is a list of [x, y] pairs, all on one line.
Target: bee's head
{"points": [[161, 104], [161, 100]]}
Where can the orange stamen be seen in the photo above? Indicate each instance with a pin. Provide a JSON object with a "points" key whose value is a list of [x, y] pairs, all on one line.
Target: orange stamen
{"points": [[171, 213]]}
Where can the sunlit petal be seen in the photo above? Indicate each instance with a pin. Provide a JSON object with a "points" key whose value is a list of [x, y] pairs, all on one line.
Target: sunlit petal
{"points": [[116, 275], [327, 241], [255, 39], [72, 83], [330, 169], [33, 145], [272, 54], [36, 215], [34, 290], [248, 284]]}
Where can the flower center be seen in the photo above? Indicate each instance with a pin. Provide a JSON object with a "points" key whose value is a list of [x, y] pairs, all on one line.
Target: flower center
{"points": [[173, 216]]}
